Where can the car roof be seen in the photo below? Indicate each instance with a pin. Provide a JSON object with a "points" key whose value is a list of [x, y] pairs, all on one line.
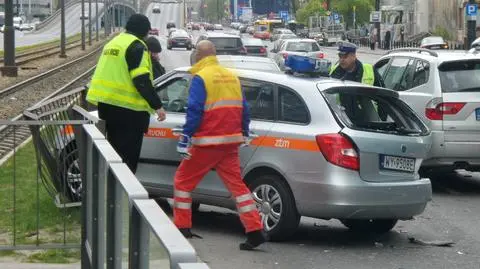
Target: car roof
{"points": [[292, 81], [221, 35], [437, 56], [246, 58], [300, 40]]}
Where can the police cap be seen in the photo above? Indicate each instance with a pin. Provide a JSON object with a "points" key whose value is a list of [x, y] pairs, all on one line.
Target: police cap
{"points": [[346, 47], [138, 24]]}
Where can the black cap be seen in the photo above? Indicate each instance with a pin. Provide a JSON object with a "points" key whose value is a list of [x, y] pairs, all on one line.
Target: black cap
{"points": [[138, 25], [153, 44]]}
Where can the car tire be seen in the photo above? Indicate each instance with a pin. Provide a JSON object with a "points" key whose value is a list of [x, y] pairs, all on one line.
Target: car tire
{"points": [[378, 226], [69, 173], [289, 219]]}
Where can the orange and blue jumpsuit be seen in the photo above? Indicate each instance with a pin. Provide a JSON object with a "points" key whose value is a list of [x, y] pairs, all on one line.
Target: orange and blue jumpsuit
{"points": [[217, 121]]}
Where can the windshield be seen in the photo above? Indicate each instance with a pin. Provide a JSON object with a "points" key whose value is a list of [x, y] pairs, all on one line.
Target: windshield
{"points": [[261, 28], [460, 76], [259, 66], [302, 46], [226, 42], [179, 33], [252, 42], [364, 109]]}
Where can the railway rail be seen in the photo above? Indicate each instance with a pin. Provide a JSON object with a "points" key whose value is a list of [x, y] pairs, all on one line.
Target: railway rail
{"points": [[30, 56], [11, 137]]}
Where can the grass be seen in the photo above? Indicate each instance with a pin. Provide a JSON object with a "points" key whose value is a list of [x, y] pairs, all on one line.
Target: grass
{"points": [[51, 221], [55, 256], [44, 44]]}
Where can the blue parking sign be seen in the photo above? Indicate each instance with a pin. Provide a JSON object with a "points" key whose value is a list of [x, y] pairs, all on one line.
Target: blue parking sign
{"points": [[471, 9]]}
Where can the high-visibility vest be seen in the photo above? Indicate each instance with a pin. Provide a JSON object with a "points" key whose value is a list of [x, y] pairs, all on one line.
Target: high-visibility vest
{"points": [[112, 83], [222, 116], [368, 76]]}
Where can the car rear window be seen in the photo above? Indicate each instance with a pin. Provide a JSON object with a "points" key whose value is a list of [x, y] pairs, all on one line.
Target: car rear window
{"points": [[374, 110], [460, 76], [179, 34], [302, 46], [252, 42], [226, 42]]}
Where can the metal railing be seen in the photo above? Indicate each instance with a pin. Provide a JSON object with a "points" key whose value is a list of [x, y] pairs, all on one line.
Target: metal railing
{"points": [[107, 181]]}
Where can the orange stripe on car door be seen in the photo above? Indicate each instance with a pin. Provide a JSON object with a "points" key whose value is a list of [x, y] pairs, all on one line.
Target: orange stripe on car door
{"points": [[286, 143], [160, 133]]}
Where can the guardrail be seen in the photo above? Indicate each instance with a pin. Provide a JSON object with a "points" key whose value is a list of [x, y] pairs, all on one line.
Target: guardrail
{"points": [[117, 216]]}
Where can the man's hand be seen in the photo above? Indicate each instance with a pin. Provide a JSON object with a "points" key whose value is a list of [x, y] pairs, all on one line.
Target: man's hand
{"points": [[161, 115], [183, 147]]}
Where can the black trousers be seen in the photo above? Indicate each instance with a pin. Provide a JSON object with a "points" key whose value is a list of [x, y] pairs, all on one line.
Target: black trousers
{"points": [[127, 142]]}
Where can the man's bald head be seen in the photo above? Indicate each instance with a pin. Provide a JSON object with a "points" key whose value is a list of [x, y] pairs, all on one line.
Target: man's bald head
{"points": [[204, 49]]}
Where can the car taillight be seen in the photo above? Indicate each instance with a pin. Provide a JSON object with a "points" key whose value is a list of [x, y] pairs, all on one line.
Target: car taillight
{"points": [[263, 50], [435, 111], [339, 150], [285, 55], [320, 55]]}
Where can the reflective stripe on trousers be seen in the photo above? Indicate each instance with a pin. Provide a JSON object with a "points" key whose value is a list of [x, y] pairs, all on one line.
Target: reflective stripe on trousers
{"points": [[227, 164], [217, 140]]}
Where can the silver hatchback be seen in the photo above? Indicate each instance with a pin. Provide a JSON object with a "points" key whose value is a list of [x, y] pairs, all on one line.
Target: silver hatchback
{"points": [[443, 87], [323, 148]]}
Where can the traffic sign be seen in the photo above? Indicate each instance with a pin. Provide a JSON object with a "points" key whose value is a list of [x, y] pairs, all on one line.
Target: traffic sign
{"points": [[283, 14], [472, 9]]}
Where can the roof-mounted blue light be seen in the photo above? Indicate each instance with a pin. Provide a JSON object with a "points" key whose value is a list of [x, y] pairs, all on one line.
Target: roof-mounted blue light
{"points": [[307, 65]]}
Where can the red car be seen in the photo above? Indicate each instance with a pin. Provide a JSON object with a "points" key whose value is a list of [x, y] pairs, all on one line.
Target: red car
{"points": [[262, 35], [153, 31]]}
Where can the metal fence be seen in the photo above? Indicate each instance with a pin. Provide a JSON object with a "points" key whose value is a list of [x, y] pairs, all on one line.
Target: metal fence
{"points": [[120, 226], [113, 191]]}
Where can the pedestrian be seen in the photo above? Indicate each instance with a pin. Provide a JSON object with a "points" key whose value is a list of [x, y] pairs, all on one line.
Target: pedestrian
{"points": [[122, 89], [217, 122], [154, 48], [373, 39], [388, 37], [350, 68]]}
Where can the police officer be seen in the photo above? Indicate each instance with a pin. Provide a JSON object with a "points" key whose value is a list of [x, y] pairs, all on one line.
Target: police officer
{"points": [[350, 68], [155, 49], [122, 89]]}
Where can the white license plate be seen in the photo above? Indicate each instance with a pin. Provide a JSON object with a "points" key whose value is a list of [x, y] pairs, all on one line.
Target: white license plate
{"points": [[181, 43], [396, 163]]}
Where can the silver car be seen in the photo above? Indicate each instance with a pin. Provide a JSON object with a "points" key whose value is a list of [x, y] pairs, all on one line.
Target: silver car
{"points": [[249, 62], [323, 148], [443, 87], [303, 47]]}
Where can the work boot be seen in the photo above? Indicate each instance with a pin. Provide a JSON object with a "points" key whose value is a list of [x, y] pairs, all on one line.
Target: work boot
{"points": [[254, 239], [188, 233]]}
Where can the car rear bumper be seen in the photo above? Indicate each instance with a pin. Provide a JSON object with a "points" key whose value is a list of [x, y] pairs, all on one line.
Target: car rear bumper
{"points": [[452, 154], [257, 54], [344, 195]]}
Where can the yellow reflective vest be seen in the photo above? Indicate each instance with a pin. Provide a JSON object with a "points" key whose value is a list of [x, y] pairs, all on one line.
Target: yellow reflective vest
{"points": [[112, 83], [368, 76]]}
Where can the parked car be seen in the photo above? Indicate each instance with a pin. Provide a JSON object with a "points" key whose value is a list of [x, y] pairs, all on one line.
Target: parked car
{"points": [[171, 25], [250, 30], [156, 8], [249, 62], [179, 39], [315, 154], [443, 87], [255, 47], [208, 27], [277, 32], [224, 43], [303, 47], [242, 28], [218, 27], [195, 26], [153, 31], [433, 42], [281, 38]]}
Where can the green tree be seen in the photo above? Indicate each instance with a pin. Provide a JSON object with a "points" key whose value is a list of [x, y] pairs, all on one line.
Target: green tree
{"points": [[215, 10], [363, 9], [343, 7], [313, 7]]}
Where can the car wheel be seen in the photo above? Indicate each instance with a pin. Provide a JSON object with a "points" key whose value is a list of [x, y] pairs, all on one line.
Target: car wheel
{"points": [[370, 225], [276, 206], [69, 171]]}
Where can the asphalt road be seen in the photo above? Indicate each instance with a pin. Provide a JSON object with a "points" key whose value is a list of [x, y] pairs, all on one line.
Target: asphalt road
{"points": [[51, 31], [453, 215]]}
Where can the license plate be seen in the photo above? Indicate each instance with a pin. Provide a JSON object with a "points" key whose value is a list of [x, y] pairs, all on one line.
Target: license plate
{"points": [[434, 47], [477, 113], [181, 43], [395, 163]]}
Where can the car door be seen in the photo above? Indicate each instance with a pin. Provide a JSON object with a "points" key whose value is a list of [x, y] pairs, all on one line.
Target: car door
{"points": [[260, 98], [158, 157]]}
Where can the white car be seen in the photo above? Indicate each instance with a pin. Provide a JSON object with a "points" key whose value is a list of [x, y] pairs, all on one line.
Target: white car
{"points": [[218, 27], [301, 47]]}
